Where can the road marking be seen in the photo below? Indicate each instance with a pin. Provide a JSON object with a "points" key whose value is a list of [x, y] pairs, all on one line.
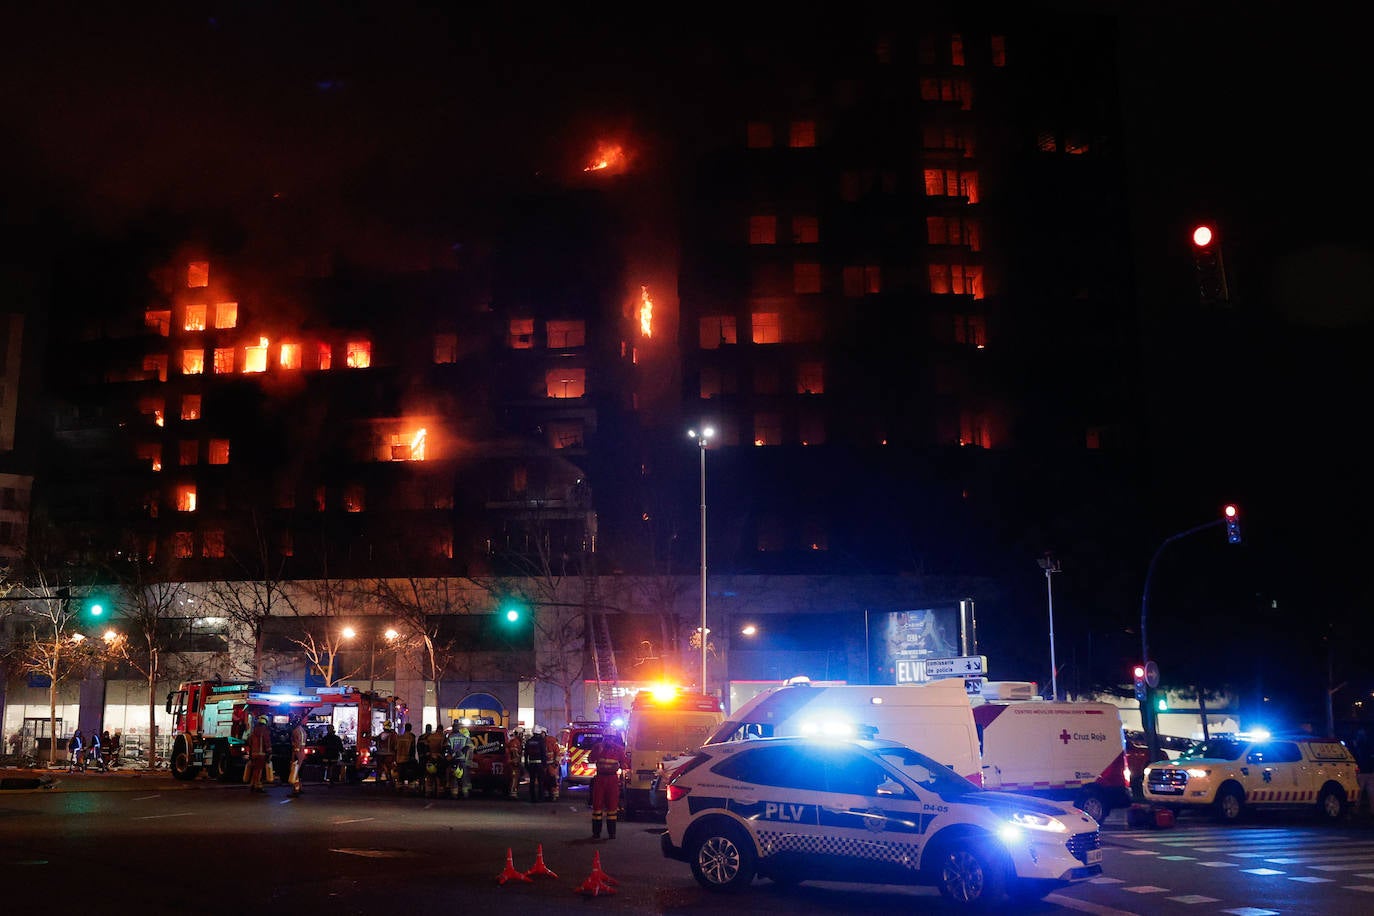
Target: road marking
{"points": [[1193, 898], [28, 862], [1086, 907], [1177, 858], [1146, 889], [146, 797], [1219, 864], [1367, 888], [154, 817], [355, 820], [1103, 879], [1262, 871], [1310, 879], [1347, 867], [376, 853], [1251, 911], [1139, 852]]}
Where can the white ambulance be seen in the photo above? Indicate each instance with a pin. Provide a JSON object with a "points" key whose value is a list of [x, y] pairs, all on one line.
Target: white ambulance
{"points": [[1066, 751], [935, 718]]}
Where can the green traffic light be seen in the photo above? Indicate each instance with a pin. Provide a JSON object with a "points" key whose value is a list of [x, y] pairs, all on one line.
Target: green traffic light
{"points": [[96, 608], [512, 615]]}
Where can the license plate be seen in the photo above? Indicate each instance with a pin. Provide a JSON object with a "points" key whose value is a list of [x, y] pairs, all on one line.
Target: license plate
{"points": [[1094, 857]]}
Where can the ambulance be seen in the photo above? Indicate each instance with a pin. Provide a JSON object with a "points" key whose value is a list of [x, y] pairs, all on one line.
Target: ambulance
{"points": [[1065, 751], [665, 724], [935, 718]]}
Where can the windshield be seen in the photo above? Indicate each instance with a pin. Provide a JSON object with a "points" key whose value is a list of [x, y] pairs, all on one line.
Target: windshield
{"points": [[671, 733], [925, 772], [1216, 749]]}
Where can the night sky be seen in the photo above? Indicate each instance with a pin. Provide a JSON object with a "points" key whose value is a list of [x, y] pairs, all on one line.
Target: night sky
{"points": [[368, 123]]}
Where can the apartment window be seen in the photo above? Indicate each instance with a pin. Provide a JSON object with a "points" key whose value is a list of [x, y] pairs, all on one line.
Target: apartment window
{"points": [[973, 430], [1046, 141], [947, 137], [814, 535], [445, 348], [520, 334], [320, 498], [188, 452], [811, 428], [224, 360], [198, 274], [863, 280], [945, 89], [186, 497], [763, 230], [951, 183], [218, 451], [766, 380], [212, 544], [359, 354], [925, 51], [190, 407], [771, 534], [354, 498], [1075, 144], [998, 44], [286, 544], [565, 434], [971, 330], [811, 377], [324, 356], [519, 479], [566, 332], [152, 502], [956, 50], [806, 278], [802, 134], [767, 429], [565, 382], [806, 230], [290, 356], [192, 362], [952, 230], [226, 314], [255, 358], [159, 321], [150, 453], [194, 319], [155, 366], [766, 328], [183, 545], [760, 135], [151, 408], [716, 331]]}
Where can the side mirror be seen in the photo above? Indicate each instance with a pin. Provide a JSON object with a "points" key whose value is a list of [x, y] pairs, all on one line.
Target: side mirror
{"points": [[888, 787]]}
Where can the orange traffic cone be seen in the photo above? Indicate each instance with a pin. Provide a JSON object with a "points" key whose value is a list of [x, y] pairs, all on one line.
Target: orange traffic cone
{"points": [[539, 868], [598, 882], [510, 873]]}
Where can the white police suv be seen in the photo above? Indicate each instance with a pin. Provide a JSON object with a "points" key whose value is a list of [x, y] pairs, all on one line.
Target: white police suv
{"points": [[794, 809]]}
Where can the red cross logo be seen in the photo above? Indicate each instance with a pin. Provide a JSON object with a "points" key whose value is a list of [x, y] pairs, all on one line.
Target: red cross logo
{"points": [[1065, 736]]}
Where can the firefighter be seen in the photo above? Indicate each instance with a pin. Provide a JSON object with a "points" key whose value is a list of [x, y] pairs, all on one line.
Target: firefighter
{"points": [[551, 780], [609, 756], [298, 741], [435, 762], [515, 750], [536, 762], [259, 750], [386, 754], [460, 750]]}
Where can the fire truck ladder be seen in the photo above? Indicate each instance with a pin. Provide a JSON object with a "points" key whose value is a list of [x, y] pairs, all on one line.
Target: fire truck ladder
{"points": [[603, 659]]}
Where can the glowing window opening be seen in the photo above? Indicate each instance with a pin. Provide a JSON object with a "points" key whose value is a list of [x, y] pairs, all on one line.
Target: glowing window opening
{"points": [[218, 451], [226, 314], [325, 356], [290, 356], [359, 354], [186, 498], [190, 407], [192, 362], [159, 321], [224, 360], [156, 366], [194, 319], [255, 358], [198, 273]]}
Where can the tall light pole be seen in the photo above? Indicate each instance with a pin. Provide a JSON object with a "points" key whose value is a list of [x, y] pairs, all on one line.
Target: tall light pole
{"points": [[390, 634], [702, 437], [1051, 566]]}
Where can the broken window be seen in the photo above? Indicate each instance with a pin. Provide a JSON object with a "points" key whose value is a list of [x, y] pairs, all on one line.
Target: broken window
{"points": [[218, 451], [998, 44], [763, 229], [226, 314], [320, 503], [767, 328], [354, 498], [767, 428], [188, 452], [151, 408], [324, 356], [198, 273], [290, 356], [806, 230], [802, 134], [806, 278], [190, 407], [760, 135], [150, 452], [862, 280], [255, 358], [569, 332], [212, 544], [812, 428], [811, 377], [445, 348], [186, 497], [192, 362], [971, 330], [565, 382], [286, 544], [359, 354], [565, 434], [444, 545], [159, 320], [224, 360], [409, 446], [155, 366], [521, 334], [183, 545], [195, 318], [956, 50]]}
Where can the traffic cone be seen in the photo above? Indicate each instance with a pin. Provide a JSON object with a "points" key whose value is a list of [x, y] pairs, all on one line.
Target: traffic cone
{"points": [[510, 872], [539, 868], [598, 882]]}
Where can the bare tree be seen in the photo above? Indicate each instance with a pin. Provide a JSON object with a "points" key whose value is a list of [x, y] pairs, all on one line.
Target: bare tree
{"points": [[322, 631], [249, 602], [419, 607]]}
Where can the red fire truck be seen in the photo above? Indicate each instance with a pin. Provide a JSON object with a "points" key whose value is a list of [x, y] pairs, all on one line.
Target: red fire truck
{"points": [[358, 717]]}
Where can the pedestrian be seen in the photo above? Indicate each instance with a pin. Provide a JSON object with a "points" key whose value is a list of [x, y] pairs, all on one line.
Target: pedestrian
{"points": [[76, 753], [259, 752], [93, 755], [113, 742], [331, 749], [536, 762], [405, 755], [386, 754], [608, 755], [298, 742]]}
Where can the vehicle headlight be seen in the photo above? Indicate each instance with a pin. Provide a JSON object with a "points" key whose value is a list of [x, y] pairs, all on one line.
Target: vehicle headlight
{"points": [[1028, 821], [1198, 773]]}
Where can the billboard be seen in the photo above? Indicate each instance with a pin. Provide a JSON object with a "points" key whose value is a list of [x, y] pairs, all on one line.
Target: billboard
{"points": [[899, 639]]}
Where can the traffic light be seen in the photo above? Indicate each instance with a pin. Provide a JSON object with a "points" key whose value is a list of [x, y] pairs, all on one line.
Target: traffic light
{"points": [[512, 612], [1211, 270], [1232, 516], [1139, 673], [95, 607]]}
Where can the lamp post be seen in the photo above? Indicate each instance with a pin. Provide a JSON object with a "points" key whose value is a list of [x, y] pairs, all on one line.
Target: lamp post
{"points": [[1051, 566], [390, 634], [702, 438]]}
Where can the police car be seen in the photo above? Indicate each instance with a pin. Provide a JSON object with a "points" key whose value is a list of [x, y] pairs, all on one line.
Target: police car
{"points": [[1231, 772], [871, 811]]}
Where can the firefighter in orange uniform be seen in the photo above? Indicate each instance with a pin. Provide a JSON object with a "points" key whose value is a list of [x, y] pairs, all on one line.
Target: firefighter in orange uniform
{"points": [[609, 756], [259, 750], [515, 751]]}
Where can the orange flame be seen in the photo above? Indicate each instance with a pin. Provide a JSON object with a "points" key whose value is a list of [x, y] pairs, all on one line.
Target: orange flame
{"points": [[607, 156], [417, 445], [255, 358], [646, 312]]}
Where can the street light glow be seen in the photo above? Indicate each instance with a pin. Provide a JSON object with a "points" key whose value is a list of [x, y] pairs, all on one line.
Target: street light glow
{"points": [[349, 632]]}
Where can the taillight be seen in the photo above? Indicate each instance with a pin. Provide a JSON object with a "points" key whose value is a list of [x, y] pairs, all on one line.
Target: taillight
{"points": [[676, 792]]}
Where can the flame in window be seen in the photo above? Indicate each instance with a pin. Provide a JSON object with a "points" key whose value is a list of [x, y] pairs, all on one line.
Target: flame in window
{"points": [[608, 157], [646, 312], [359, 354], [290, 356], [255, 358], [414, 450], [186, 498], [195, 318]]}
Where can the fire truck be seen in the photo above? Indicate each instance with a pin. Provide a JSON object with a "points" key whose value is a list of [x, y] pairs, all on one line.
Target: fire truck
{"points": [[357, 717], [211, 721]]}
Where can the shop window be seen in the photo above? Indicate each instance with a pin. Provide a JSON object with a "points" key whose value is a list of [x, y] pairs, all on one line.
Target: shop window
{"points": [[218, 451], [565, 382], [716, 331], [226, 314], [290, 357], [152, 410], [192, 362], [255, 358], [520, 334], [158, 320], [767, 429], [445, 349], [155, 366], [186, 497], [224, 360], [188, 452], [760, 135], [198, 274], [354, 498], [190, 407], [806, 230], [151, 453], [802, 134], [324, 356], [212, 544], [766, 328], [806, 278], [763, 230], [811, 377], [569, 332], [359, 354], [195, 318], [183, 545]]}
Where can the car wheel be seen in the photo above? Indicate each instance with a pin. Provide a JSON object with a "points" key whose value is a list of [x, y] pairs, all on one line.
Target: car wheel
{"points": [[723, 858], [1094, 806], [181, 765], [1230, 804], [970, 873], [1331, 803], [220, 768]]}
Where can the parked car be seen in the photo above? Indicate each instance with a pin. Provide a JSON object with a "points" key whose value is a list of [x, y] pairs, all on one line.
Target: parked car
{"points": [[871, 811]]}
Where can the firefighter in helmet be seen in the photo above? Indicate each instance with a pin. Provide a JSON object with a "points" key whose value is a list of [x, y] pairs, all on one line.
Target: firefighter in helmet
{"points": [[608, 755], [515, 752], [460, 750], [259, 750]]}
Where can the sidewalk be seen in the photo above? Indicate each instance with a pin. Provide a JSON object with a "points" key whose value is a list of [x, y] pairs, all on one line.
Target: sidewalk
{"points": [[123, 779]]}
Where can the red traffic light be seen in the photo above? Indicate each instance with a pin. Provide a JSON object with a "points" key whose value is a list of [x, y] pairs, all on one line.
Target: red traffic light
{"points": [[1202, 235], [1139, 672], [1230, 511]]}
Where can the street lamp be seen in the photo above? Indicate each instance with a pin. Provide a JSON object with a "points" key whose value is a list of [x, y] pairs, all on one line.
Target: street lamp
{"points": [[391, 633], [1051, 566], [702, 438]]}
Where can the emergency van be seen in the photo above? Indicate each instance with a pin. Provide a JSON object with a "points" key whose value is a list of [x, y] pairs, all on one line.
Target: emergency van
{"points": [[1066, 751], [935, 718], [664, 724]]}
